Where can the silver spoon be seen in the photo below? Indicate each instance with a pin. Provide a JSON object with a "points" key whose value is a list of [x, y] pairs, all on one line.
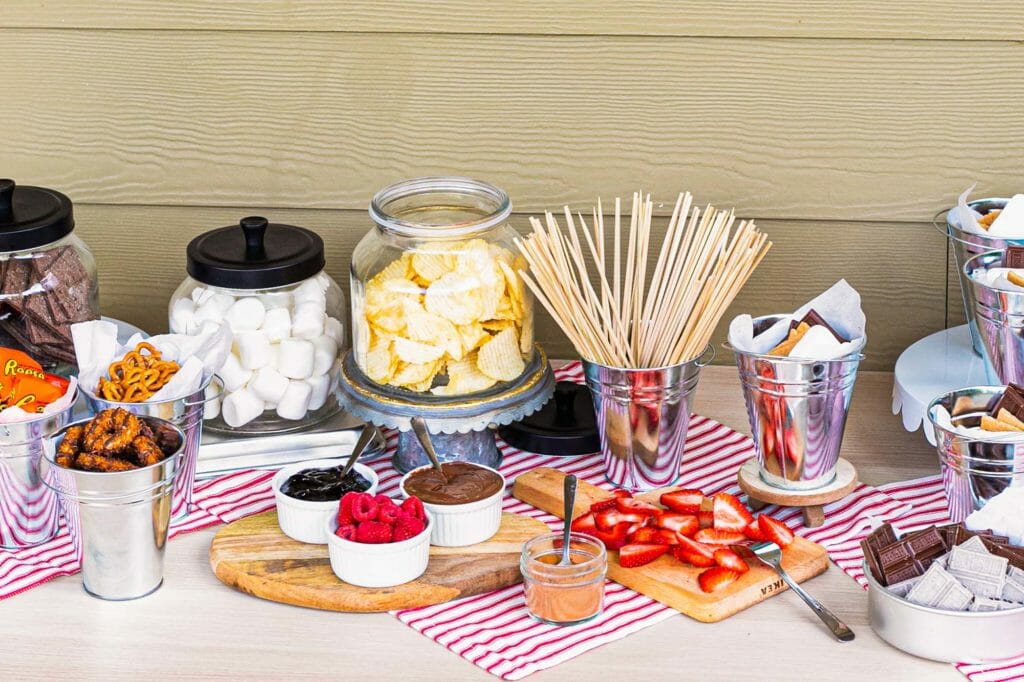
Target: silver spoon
{"points": [[569, 498], [365, 436], [419, 427]]}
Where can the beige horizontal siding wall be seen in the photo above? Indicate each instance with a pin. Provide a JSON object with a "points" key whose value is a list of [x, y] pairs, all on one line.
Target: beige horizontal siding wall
{"points": [[842, 127]]}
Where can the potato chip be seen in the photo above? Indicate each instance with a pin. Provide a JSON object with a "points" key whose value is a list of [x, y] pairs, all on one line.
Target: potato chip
{"points": [[514, 289], [526, 335], [464, 377], [400, 268], [380, 365], [413, 373], [473, 335], [455, 297], [421, 386], [415, 352], [500, 357], [433, 329], [498, 325], [432, 266]]}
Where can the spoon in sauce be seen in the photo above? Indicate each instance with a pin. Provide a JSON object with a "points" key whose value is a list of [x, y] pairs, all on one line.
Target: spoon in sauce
{"points": [[419, 427], [569, 497], [367, 434]]}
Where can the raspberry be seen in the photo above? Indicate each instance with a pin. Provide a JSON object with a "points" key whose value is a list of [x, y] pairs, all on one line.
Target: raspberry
{"points": [[407, 527], [346, 531], [388, 512], [414, 508], [364, 507], [345, 509], [373, 533]]}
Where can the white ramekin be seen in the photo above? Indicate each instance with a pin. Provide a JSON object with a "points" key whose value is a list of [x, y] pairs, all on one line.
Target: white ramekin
{"points": [[459, 525], [384, 565], [303, 520]]}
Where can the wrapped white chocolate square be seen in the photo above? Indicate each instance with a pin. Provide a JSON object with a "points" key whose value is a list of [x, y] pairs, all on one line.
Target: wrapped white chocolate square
{"points": [[197, 358], [827, 327], [286, 349]]}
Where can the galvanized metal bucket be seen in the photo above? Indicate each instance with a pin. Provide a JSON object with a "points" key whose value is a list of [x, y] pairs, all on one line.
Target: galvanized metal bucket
{"points": [[642, 418], [185, 412], [29, 514], [999, 316], [974, 470], [797, 411], [966, 245], [117, 521]]}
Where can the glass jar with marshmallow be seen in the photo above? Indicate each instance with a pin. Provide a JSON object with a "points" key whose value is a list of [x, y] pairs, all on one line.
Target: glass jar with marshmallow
{"points": [[266, 282]]}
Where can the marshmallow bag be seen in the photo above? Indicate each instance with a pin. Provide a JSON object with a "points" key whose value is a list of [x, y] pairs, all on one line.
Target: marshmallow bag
{"points": [[266, 282]]}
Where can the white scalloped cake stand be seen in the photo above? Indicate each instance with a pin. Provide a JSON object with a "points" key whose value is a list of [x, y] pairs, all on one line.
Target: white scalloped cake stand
{"points": [[932, 366]]}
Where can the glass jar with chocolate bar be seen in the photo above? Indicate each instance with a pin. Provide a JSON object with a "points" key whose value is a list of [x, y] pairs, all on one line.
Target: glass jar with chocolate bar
{"points": [[267, 283], [438, 305], [48, 275]]}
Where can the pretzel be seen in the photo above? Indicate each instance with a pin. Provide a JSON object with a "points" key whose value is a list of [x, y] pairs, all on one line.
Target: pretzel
{"points": [[114, 440], [137, 376]]}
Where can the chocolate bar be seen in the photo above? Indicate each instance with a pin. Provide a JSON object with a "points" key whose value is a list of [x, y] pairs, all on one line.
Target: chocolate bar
{"points": [[1012, 399], [813, 319], [1014, 257], [880, 537]]}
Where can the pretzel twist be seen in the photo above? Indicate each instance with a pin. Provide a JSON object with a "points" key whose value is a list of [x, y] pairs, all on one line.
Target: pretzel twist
{"points": [[137, 376]]}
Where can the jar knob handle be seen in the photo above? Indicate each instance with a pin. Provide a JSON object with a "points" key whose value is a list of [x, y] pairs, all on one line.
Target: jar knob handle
{"points": [[254, 228], [6, 197]]}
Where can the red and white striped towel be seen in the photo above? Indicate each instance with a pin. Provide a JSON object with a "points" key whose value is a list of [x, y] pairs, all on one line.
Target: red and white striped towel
{"points": [[493, 631]]}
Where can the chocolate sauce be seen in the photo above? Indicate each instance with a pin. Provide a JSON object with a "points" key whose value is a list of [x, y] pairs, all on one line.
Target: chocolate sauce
{"points": [[323, 485], [466, 482]]}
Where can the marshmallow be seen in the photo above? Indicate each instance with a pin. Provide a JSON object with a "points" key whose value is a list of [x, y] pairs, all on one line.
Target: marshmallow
{"points": [[295, 359], [277, 324], [201, 295], [308, 321], [213, 308], [209, 327], [325, 351], [233, 374], [310, 291], [334, 329], [241, 407], [275, 353], [276, 299], [245, 314], [321, 388], [211, 404], [253, 349], [295, 401], [183, 316], [269, 385]]}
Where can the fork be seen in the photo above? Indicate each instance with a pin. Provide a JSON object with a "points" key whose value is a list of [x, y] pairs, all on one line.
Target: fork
{"points": [[769, 554]]}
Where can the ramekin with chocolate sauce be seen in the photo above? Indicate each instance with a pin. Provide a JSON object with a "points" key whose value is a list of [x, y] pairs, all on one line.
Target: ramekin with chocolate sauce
{"points": [[466, 509]]}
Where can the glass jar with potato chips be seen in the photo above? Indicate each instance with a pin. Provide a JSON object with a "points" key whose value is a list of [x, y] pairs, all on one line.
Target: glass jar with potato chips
{"points": [[438, 305]]}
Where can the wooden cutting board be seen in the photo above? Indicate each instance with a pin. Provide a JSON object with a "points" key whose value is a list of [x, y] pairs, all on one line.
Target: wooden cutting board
{"points": [[666, 579], [254, 556]]}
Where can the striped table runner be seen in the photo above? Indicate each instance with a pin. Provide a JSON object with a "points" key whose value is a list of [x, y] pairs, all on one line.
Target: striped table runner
{"points": [[492, 630]]}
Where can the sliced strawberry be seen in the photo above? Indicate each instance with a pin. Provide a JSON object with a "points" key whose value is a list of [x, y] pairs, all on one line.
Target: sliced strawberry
{"points": [[714, 536], [684, 524], [635, 555], [706, 518], [609, 518], [754, 532], [601, 505], [716, 578], [703, 555], [692, 558], [614, 538], [726, 558], [632, 505], [645, 535], [619, 492], [729, 513], [584, 524], [776, 531], [684, 501]]}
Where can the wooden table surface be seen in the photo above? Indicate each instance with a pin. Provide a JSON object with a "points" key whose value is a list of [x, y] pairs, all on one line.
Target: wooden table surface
{"points": [[194, 627]]}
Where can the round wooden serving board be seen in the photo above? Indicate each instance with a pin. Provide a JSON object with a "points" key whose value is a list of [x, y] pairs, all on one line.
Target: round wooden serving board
{"points": [[254, 556]]}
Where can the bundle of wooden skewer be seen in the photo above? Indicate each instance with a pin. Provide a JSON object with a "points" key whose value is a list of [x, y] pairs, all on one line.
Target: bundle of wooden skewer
{"points": [[611, 310]]}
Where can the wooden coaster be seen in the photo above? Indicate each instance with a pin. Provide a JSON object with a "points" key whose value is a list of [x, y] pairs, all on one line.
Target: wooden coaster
{"points": [[762, 494]]}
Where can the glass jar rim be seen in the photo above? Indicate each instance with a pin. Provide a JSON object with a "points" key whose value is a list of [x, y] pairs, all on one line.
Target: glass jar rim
{"points": [[541, 570], [452, 185]]}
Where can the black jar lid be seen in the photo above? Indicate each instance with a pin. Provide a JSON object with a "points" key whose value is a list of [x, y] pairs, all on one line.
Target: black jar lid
{"points": [[566, 426], [32, 216], [255, 254]]}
